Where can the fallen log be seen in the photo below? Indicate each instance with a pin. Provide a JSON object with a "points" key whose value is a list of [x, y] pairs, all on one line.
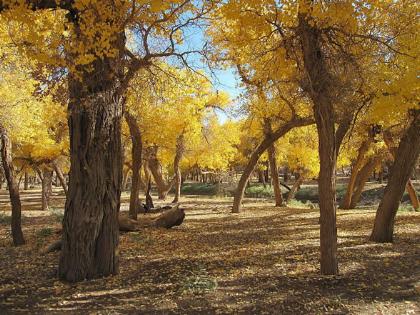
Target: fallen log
{"points": [[168, 219]]}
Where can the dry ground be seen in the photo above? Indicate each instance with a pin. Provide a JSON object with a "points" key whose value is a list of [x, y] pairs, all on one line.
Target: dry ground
{"points": [[264, 260]]}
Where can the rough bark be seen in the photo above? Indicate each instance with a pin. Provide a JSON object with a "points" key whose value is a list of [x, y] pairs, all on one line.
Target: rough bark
{"points": [[90, 225], [253, 160], [47, 176], [60, 176], [136, 157], [149, 200], [9, 173], [364, 147], [319, 91], [405, 159], [180, 147], [295, 188]]}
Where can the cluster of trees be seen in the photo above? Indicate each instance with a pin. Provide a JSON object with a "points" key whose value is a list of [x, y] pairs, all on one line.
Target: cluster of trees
{"points": [[326, 84]]}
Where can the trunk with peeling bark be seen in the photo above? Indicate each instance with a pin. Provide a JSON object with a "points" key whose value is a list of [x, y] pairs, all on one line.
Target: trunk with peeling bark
{"points": [[180, 147], [295, 188], [405, 159], [319, 91], [253, 160], [9, 173], [90, 224], [46, 183], [136, 156]]}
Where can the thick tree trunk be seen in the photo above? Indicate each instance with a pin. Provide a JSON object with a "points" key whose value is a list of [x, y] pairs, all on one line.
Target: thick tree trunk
{"points": [[6, 158], [275, 176], [136, 156], [345, 203], [268, 140], [295, 188], [90, 224], [319, 91], [405, 159], [60, 176], [180, 147], [47, 176]]}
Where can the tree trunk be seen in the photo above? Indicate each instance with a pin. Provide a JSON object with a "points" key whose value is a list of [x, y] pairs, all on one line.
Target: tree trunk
{"points": [[389, 141], [149, 200], [345, 203], [60, 176], [405, 159], [47, 176], [9, 173], [136, 156], [125, 179], [90, 224], [156, 171], [26, 182], [180, 147], [319, 91], [275, 176], [268, 140], [295, 188], [362, 178]]}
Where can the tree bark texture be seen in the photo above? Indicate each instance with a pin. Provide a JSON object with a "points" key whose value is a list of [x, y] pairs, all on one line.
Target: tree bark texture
{"points": [[295, 188], [90, 224], [60, 176], [405, 159], [156, 171]]}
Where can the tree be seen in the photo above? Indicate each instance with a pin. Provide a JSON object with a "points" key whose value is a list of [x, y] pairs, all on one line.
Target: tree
{"points": [[406, 157]]}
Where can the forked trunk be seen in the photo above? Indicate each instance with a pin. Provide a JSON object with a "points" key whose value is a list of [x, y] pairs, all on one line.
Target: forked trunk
{"points": [[136, 156], [405, 159], [346, 202], [362, 177], [90, 224], [9, 173], [253, 160], [156, 171]]}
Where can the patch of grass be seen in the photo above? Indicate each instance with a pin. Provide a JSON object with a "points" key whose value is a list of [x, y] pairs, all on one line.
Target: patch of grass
{"points": [[4, 218], [139, 238], [299, 204], [404, 207], [199, 282], [259, 191], [200, 189], [44, 232], [57, 214]]}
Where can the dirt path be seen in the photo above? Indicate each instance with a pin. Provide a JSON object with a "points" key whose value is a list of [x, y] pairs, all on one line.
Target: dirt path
{"points": [[264, 260]]}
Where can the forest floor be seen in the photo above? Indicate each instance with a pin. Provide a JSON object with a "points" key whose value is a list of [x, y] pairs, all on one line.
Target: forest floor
{"points": [[264, 260]]}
